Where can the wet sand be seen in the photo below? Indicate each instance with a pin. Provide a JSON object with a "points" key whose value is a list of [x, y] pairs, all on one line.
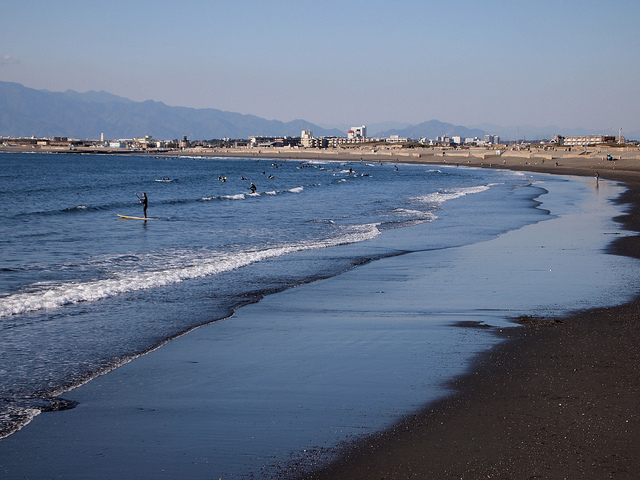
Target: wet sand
{"points": [[560, 399]]}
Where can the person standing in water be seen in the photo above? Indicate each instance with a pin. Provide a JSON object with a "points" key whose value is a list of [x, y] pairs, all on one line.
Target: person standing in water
{"points": [[145, 203]]}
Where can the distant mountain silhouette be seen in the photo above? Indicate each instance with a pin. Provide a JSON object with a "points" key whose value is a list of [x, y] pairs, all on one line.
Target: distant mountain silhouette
{"points": [[25, 112]]}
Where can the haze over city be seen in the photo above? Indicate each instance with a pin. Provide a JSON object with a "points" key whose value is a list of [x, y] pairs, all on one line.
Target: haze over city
{"points": [[570, 64]]}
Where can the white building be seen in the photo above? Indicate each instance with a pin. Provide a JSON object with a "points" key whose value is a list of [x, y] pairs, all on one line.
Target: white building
{"points": [[357, 132], [397, 139]]}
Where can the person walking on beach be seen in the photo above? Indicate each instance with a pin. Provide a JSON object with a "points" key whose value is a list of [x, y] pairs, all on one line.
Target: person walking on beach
{"points": [[145, 203]]}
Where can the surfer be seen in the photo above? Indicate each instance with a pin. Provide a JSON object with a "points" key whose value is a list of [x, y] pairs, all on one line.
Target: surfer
{"points": [[253, 188], [145, 203]]}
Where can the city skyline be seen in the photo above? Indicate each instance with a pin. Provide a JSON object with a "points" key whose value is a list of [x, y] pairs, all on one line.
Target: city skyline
{"points": [[570, 64]]}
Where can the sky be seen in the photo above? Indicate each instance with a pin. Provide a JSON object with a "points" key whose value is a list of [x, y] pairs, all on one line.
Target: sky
{"points": [[566, 63]]}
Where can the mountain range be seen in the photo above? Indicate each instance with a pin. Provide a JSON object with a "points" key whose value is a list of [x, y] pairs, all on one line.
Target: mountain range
{"points": [[26, 112]]}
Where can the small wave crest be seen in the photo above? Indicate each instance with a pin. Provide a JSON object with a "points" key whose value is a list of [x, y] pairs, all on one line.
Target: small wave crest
{"points": [[415, 214], [438, 198], [237, 196], [243, 196]]}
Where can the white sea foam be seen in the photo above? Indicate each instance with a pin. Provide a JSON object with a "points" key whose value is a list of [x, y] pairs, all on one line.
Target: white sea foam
{"points": [[56, 296], [296, 190], [418, 214], [237, 196], [13, 419], [438, 198]]}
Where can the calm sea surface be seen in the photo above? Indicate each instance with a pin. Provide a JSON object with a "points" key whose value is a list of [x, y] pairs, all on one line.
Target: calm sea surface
{"points": [[83, 291]]}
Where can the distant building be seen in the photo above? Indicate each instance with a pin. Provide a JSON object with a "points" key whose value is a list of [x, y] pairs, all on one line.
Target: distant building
{"points": [[146, 142], [491, 139], [357, 133], [262, 141], [586, 140], [306, 139], [397, 139]]}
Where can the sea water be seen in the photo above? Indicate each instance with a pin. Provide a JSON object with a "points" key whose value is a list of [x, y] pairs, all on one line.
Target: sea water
{"points": [[83, 291]]}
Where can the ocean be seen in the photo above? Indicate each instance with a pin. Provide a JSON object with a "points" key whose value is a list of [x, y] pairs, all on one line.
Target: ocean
{"points": [[83, 291]]}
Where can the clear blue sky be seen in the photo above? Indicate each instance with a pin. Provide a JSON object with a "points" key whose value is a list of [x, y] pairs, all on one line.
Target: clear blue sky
{"points": [[571, 63]]}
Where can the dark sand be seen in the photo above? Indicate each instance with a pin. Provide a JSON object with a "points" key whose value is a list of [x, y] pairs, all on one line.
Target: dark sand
{"points": [[560, 399]]}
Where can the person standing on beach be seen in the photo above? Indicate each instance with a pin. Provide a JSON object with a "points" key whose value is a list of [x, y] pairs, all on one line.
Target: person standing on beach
{"points": [[145, 203]]}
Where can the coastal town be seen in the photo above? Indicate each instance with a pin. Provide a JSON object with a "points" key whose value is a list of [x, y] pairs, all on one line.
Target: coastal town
{"points": [[356, 141]]}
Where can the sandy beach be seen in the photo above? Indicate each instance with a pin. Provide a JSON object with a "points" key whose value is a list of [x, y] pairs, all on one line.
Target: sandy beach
{"points": [[559, 399]]}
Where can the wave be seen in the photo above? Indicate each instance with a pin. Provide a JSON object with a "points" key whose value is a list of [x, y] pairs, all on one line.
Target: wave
{"points": [[118, 206], [243, 196], [69, 293], [15, 417], [438, 198], [73, 210], [82, 209], [237, 196], [415, 214]]}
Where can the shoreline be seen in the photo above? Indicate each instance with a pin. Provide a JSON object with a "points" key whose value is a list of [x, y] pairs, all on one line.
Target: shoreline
{"points": [[557, 399], [548, 403]]}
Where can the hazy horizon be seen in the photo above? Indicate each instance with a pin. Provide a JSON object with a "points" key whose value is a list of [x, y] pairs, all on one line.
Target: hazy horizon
{"points": [[570, 64]]}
